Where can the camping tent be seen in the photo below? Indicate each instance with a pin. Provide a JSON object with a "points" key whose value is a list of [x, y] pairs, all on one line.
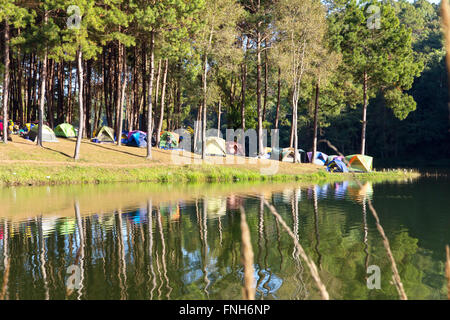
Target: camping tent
{"points": [[358, 162], [165, 137], [235, 148], [287, 155], [105, 134], [333, 157], [65, 130], [137, 139], [337, 166], [215, 146], [320, 158], [47, 134]]}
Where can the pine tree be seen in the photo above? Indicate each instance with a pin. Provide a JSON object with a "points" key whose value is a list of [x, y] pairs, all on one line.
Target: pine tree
{"points": [[378, 52]]}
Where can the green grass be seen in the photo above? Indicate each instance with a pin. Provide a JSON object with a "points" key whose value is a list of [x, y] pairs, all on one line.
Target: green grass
{"points": [[20, 174]]}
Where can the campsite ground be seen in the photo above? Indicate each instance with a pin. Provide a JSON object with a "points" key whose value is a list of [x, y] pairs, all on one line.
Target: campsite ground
{"points": [[23, 163]]}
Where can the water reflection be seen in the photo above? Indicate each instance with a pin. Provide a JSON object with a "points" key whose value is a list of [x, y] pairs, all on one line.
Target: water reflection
{"points": [[187, 246]]}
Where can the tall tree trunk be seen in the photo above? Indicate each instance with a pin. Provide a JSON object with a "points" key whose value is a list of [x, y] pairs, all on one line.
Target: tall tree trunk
{"points": [[316, 112], [277, 117], [60, 111], [266, 80], [150, 89], [118, 91], [122, 100], [6, 83], [80, 102], [219, 112], [163, 98], [42, 93], [121, 90], [258, 92], [244, 85], [88, 102], [158, 80], [364, 116], [49, 92], [69, 98], [144, 88], [19, 82], [205, 93]]}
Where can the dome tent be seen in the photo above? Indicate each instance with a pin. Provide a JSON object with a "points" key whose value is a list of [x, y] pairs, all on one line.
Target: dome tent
{"points": [[105, 134], [47, 134], [65, 130]]}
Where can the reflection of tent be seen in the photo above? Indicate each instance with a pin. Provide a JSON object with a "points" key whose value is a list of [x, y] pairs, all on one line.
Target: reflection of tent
{"points": [[137, 139], [358, 193], [65, 130], [337, 166], [320, 158], [215, 146], [287, 154], [235, 148], [48, 226], [47, 134], [66, 226], [165, 137], [105, 134], [358, 162], [216, 207], [340, 189]]}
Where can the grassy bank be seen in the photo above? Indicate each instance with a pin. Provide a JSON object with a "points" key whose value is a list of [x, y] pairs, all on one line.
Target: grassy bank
{"points": [[17, 174], [23, 163]]}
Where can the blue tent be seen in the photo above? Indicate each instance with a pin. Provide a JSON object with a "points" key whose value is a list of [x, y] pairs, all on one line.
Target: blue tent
{"points": [[137, 139], [337, 166]]}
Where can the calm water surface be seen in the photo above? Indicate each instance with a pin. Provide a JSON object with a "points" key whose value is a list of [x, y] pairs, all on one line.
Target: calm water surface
{"points": [[183, 242]]}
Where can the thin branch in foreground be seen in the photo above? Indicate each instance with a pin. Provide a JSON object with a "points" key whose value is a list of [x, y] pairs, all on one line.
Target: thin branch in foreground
{"points": [[311, 265], [248, 292]]}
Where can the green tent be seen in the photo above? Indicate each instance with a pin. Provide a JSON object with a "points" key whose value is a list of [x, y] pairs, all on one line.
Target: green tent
{"points": [[358, 162], [165, 136], [47, 134], [65, 130], [105, 134]]}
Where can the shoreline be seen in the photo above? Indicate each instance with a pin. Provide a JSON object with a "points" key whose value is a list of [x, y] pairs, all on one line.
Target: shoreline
{"points": [[17, 174]]}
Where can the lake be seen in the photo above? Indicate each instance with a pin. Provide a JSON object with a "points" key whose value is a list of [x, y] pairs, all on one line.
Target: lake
{"points": [[141, 241]]}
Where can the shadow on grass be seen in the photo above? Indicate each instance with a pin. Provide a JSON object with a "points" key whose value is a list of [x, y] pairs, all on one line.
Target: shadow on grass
{"points": [[111, 149], [60, 152]]}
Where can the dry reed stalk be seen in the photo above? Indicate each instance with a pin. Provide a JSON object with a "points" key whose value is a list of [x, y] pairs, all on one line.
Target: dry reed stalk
{"points": [[248, 291], [447, 270], [396, 276], [311, 265]]}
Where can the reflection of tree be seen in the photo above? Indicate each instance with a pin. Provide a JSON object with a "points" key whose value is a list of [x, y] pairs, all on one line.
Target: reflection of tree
{"points": [[6, 262], [42, 257], [163, 254], [301, 291], [188, 265], [150, 245], [316, 228]]}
